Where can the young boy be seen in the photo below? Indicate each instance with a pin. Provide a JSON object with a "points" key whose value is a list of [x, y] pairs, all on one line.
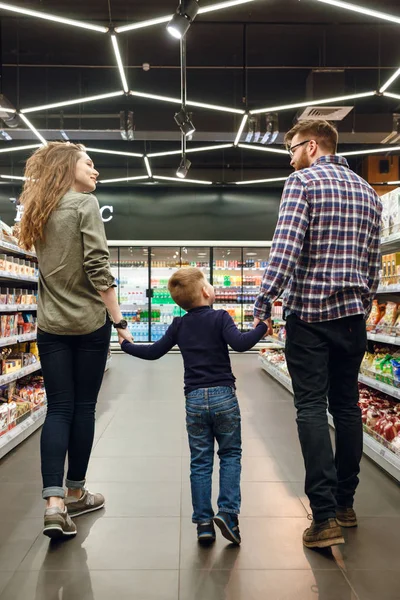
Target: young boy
{"points": [[212, 410]]}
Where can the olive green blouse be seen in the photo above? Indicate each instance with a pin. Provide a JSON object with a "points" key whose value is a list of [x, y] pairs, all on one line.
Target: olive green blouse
{"points": [[73, 267]]}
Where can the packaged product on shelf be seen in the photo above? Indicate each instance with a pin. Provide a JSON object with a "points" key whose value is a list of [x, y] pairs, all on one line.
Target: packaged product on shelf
{"points": [[381, 417], [394, 211], [385, 199], [3, 295], [3, 418], [12, 414], [377, 312], [3, 262], [10, 265]]}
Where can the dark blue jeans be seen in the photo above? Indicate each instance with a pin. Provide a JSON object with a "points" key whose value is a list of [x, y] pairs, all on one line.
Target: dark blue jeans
{"points": [[323, 360], [73, 369], [214, 414]]}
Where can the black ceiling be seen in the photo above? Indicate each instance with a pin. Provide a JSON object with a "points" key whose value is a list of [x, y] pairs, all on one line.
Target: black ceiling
{"points": [[249, 56]]}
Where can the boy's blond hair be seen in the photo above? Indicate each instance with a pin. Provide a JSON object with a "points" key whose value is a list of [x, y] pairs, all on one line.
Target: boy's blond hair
{"points": [[185, 287]]}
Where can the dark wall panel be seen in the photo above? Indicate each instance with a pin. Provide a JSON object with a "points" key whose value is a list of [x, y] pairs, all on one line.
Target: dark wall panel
{"points": [[158, 213]]}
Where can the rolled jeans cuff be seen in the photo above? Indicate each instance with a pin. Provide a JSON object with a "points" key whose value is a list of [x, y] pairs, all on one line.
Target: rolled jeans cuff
{"points": [[75, 485], [55, 491]]}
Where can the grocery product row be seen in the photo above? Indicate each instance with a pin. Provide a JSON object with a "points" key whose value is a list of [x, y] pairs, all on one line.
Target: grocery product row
{"points": [[16, 324], [18, 267], [380, 413], [17, 297], [391, 213]]}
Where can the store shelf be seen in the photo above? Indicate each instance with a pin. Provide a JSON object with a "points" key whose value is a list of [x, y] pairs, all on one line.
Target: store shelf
{"points": [[17, 307], [388, 289], [9, 341], [20, 432], [10, 276], [386, 459], [388, 241], [4, 379], [15, 249], [379, 385], [385, 339]]}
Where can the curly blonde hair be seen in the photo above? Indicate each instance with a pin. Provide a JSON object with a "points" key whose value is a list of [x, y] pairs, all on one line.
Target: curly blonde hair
{"points": [[49, 175]]}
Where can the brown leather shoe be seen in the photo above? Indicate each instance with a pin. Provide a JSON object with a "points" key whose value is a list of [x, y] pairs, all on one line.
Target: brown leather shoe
{"points": [[323, 535], [346, 517]]}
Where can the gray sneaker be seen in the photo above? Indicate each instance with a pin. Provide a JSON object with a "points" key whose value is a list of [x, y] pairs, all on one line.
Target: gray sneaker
{"points": [[58, 524], [87, 503]]}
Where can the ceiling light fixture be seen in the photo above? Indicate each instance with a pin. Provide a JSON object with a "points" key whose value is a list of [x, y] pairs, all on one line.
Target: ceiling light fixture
{"points": [[49, 17], [182, 119], [226, 109], [263, 149], [390, 95], [166, 19], [183, 18], [182, 180], [362, 10], [272, 180], [72, 102], [183, 168], [155, 97], [116, 152], [241, 128], [18, 148], [148, 168], [119, 63], [393, 182], [33, 129], [121, 179], [190, 150], [16, 177], [6, 136], [371, 151], [312, 103], [271, 128], [390, 81]]}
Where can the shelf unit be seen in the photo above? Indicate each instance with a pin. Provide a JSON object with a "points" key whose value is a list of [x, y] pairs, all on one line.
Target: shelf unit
{"points": [[387, 460], [13, 248], [18, 308], [384, 339], [23, 430], [15, 339]]}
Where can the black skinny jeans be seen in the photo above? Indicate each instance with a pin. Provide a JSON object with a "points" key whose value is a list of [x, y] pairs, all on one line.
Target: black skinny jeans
{"points": [[323, 360], [73, 369]]}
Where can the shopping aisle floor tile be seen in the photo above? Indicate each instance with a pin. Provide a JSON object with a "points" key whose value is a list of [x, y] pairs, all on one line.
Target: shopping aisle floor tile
{"points": [[92, 585], [143, 544]]}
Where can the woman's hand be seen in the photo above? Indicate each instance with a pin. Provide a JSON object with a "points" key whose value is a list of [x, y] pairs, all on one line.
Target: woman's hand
{"points": [[124, 334]]}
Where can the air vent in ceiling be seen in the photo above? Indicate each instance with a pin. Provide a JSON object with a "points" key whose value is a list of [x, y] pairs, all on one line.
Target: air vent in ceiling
{"points": [[329, 113]]}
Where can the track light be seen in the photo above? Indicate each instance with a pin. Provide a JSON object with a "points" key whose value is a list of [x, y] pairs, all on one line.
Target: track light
{"points": [[183, 121], [183, 168], [271, 128], [183, 18]]}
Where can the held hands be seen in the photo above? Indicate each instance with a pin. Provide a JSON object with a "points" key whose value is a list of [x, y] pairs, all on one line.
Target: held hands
{"points": [[268, 323], [124, 334]]}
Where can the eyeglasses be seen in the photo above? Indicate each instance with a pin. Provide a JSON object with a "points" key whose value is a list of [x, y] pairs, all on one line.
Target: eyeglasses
{"points": [[293, 148]]}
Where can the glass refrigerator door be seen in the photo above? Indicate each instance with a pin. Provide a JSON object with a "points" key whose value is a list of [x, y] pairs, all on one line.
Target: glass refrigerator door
{"points": [[133, 287], [254, 263], [227, 281], [164, 262], [196, 257]]}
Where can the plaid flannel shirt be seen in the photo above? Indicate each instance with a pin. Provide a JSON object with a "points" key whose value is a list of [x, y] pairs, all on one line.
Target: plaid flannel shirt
{"points": [[325, 252]]}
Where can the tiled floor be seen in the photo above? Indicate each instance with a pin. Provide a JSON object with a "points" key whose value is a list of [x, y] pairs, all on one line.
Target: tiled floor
{"points": [[143, 545]]}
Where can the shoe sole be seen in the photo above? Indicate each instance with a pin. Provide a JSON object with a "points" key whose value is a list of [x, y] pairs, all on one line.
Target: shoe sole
{"points": [[84, 512], [324, 543], [347, 523], [55, 532], [226, 532], [206, 540]]}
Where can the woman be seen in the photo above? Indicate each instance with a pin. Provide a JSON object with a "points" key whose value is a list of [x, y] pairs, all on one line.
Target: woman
{"points": [[76, 295]]}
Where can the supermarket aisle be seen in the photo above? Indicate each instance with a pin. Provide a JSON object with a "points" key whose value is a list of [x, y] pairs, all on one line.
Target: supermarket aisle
{"points": [[143, 546]]}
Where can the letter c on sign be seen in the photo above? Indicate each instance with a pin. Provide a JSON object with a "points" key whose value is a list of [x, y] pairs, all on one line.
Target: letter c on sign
{"points": [[110, 209]]}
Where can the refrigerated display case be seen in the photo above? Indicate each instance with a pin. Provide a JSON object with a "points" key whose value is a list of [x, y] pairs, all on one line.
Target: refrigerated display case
{"points": [[142, 273], [237, 275]]}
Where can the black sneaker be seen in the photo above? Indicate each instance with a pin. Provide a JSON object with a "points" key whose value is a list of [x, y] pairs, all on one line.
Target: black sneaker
{"points": [[205, 533], [322, 535], [229, 526]]}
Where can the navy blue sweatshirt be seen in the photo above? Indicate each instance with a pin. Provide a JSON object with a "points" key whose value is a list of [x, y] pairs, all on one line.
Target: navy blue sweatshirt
{"points": [[202, 335]]}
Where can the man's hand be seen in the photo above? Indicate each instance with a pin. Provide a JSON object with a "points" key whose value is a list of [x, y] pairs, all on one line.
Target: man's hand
{"points": [[124, 334], [268, 323]]}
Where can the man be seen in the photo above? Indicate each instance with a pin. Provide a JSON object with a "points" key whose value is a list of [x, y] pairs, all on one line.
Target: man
{"points": [[325, 255]]}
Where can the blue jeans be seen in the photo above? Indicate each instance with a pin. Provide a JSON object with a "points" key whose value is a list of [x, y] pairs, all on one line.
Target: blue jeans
{"points": [[213, 413]]}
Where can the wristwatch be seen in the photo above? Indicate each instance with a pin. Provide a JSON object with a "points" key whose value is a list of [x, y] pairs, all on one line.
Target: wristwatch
{"points": [[121, 325]]}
